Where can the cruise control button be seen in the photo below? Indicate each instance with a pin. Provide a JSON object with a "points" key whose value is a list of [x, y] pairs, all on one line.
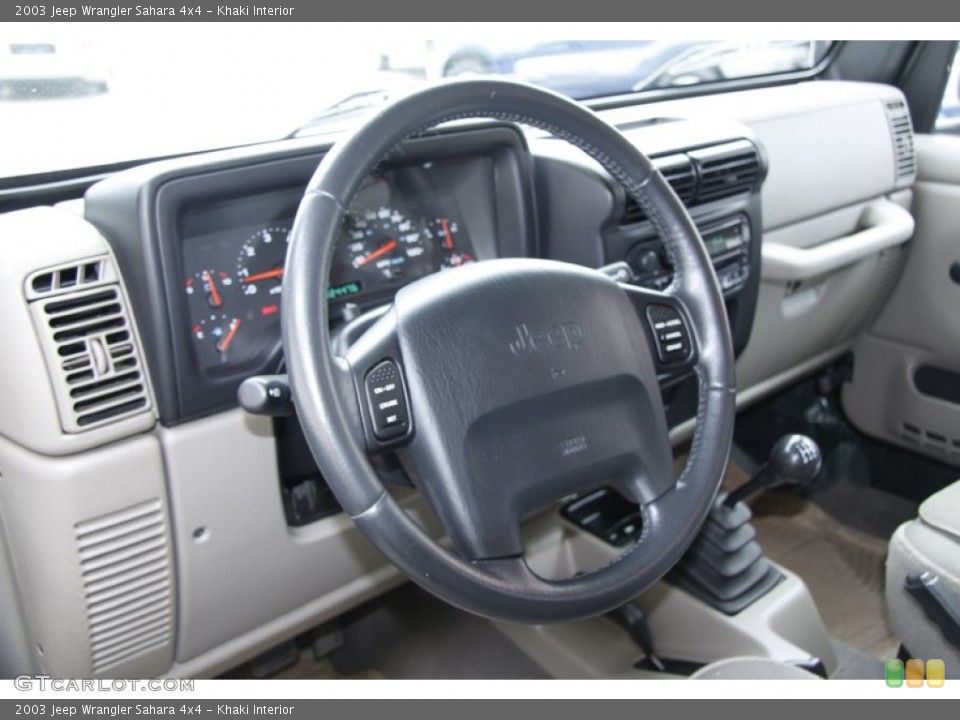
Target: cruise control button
{"points": [[386, 401], [670, 333]]}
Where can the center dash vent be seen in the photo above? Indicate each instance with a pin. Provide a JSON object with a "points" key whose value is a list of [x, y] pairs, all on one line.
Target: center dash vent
{"points": [[678, 172], [901, 130], [726, 170], [704, 175], [92, 356]]}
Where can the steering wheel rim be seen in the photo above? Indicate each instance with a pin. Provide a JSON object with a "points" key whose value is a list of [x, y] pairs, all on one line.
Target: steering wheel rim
{"points": [[328, 391]]}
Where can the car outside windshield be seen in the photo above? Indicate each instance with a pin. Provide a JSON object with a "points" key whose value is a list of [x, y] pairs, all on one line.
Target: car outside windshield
{"points": [[88, 95]]}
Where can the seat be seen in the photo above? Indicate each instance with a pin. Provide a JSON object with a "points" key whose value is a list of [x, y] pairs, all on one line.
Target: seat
{"points": [[928, 544], [752, 668]]}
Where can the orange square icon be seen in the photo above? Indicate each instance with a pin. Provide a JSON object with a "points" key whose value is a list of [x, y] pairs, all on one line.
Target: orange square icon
{"points": [[936, 673], [914, 673]]}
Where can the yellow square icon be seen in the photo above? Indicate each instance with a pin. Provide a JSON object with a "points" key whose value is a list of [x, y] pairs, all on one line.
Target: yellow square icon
{"points": [[936, 673], [914, 673]]}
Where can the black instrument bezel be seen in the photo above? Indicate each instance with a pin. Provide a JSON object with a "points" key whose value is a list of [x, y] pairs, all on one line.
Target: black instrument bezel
{"points": [[140, 213]]}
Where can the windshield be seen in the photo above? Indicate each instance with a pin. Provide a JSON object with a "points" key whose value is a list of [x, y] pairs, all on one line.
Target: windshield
{"points": [[86, 95]]}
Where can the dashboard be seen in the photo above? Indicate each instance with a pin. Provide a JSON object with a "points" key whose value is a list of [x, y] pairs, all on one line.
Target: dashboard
{"points": [[205, 263], [205, 266], [202, 245]]}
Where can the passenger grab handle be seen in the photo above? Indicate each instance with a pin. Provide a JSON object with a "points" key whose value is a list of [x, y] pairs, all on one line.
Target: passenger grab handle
{"points": [[886, 224]]}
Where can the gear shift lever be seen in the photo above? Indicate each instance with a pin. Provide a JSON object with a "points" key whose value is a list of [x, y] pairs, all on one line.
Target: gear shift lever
{"points": [[725, 566], [794, 460]]}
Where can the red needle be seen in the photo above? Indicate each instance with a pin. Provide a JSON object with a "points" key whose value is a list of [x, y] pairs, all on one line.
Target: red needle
{"points": [[264, 275], [379, 252], [225, 343], [448, 241], [215, 299]]}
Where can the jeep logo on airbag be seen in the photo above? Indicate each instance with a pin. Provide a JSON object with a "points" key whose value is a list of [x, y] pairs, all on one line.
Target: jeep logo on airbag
{"points": [[568, 335]]}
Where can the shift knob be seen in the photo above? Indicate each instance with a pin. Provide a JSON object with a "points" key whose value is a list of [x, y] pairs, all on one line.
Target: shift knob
{"points": [[794, 460]]}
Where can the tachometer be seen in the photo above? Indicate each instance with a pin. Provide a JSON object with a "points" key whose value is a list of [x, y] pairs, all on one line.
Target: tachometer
{"points": [[260, 269]]}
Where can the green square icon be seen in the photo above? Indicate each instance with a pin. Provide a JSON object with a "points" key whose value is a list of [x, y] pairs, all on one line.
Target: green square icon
{"points": [[894, 673]]}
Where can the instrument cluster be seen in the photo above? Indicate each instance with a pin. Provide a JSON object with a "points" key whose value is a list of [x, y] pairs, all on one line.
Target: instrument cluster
{"points": [[395, 232]]}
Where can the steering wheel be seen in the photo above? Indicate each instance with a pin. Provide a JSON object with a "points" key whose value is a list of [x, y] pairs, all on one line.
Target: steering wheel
{"points": [[511, 383]]}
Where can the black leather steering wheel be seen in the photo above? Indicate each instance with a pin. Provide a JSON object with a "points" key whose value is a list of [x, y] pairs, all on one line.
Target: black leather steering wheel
{"points": [[511, 383]]}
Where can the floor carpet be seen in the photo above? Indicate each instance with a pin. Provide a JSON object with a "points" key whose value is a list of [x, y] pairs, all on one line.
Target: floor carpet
{"points": [[842, 565], [409, 634]]}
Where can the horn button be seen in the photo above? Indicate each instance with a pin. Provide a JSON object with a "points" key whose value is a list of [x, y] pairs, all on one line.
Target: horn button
{"points": [[528, 380]]}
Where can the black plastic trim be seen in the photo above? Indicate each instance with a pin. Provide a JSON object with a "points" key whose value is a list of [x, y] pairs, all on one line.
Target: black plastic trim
{"points": [[938, 383]]}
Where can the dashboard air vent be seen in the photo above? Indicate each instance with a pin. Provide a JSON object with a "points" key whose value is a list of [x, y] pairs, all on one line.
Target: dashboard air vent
{"points": [[92, 356], [704, 175], [632, 212], [125, 565], [726, 170], [902, 131], [678, 172]]}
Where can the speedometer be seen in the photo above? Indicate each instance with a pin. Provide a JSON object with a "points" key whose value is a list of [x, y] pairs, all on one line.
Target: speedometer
{"points": [[385, 245], [379, 248]]}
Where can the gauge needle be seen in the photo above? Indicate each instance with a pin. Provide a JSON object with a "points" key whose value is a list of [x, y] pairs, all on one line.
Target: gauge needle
{"points": [[215, 299], [448, 241], [379, 252], [225, 343], [264, 275]]}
